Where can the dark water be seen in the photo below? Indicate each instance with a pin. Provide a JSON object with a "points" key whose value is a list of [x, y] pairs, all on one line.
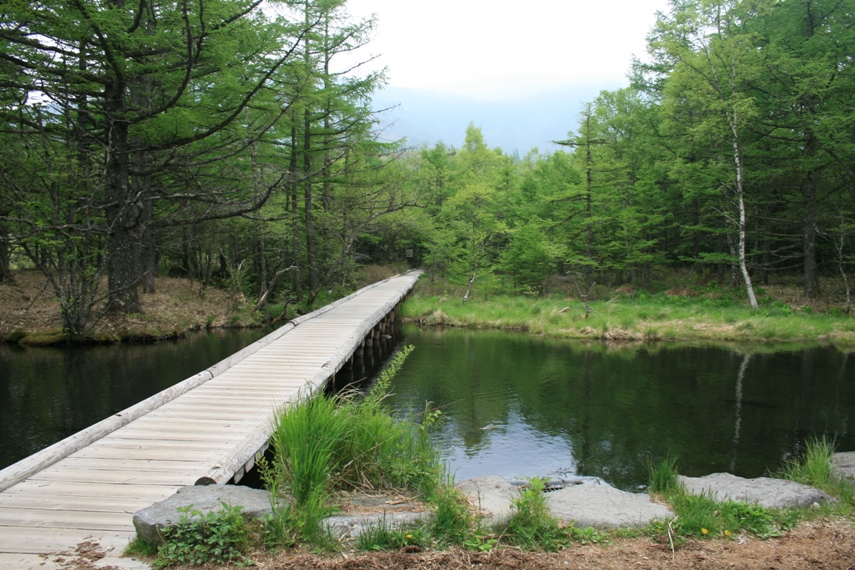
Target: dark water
{"points": [[516, 405], [47, 394]]}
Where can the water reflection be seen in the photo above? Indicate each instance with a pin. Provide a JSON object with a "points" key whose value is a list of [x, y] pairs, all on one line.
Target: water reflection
{"points": [[49, 393], [517, 405]]}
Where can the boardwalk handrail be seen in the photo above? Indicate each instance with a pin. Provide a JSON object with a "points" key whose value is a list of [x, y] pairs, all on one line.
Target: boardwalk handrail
{"points": [[28, 466]]}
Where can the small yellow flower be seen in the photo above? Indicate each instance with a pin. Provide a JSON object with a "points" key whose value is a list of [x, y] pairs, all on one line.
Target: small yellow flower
{"points": [[409, 536], [727, 533], [704, 531]]}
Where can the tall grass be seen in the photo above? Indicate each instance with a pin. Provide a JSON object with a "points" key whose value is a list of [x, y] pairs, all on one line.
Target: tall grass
{"points": [[532, 526], [327, 444], [664, 478], [815, 468], [703, 516]]}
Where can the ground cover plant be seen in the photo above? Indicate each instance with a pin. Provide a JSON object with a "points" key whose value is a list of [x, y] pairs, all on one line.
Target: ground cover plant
{"points": [[703, 516]]}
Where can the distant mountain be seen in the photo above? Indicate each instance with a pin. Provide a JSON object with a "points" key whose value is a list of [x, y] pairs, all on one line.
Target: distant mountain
{"points": [[519, 125]]}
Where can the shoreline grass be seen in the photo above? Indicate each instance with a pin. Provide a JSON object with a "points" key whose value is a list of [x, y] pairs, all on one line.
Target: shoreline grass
{"points": [[650, 318]]}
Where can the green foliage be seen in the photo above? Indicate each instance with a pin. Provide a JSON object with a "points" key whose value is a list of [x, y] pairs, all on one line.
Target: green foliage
{"points": [[815, 469], [452, 522], [664, 477], [701, 516], [532, 527], [218, 537], [382, 536], [714, 315], [325, 444]]}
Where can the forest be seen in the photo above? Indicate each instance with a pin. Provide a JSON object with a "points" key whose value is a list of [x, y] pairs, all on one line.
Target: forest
{"points": [[234, 142]]}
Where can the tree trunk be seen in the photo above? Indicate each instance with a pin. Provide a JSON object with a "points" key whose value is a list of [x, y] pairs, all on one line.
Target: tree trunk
{"points": [[122, 214], [810, 220], [311, 253], [5, 261], [296, 282], [743, 218]]}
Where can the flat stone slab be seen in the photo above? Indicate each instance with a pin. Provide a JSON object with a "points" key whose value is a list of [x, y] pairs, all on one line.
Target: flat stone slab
{"points": [[344, 527], [843, 465], [603, 506], [493, 496], [150, 521], [764, 491]]}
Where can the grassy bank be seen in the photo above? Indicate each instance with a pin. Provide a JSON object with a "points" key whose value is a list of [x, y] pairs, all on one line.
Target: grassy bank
{"points": [[617, 315]]}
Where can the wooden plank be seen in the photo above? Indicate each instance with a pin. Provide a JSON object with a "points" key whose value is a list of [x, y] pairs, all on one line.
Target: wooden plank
{"points": [[31, 540], [86, 488], [173, 478], [163, 432], [85, 503], [117, 445], [124, 463], [219, 426], [39, 518]]}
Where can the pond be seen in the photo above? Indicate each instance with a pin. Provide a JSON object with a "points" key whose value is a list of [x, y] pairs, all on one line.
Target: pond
{"points": [[514, 405], [517, 405], [49, 393]]}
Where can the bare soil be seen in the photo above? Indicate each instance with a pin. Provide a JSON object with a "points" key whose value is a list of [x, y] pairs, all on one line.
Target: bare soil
{"points": [[29, 309], [827, 545], [822, 545]]}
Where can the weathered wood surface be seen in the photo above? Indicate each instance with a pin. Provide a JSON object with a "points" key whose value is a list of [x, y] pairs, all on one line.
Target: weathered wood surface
{"points": [[209, 428]]}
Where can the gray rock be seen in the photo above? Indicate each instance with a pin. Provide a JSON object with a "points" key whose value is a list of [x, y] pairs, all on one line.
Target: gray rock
{"points": [[764, 491], [150, 522], [604, 506], [493, 496], [344, 527], [843, 465]]}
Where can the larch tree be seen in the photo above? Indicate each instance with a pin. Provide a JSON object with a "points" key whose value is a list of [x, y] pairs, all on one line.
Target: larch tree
{"points": [[125, 88]]}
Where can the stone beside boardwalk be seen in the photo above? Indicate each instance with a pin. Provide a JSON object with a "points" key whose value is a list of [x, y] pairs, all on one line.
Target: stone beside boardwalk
{"points": [[591, 503]]}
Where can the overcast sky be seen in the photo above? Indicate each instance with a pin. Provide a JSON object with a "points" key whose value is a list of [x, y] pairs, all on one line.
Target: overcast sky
{"points": [[501, 50]]}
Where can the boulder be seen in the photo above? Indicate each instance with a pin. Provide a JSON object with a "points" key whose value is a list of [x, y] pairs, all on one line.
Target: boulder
{"points": [[493, 496], [764, 491], [843, 465], [150, 521], [603, 506]]}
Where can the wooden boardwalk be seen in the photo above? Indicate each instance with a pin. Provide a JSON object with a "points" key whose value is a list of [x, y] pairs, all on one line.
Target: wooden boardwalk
{"points": [[210, 427]]}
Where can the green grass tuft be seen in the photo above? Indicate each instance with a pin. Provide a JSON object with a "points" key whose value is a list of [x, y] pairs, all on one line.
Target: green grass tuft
{"points": [[324, 445], [664, 477], [532, 527], [814, 468]]}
